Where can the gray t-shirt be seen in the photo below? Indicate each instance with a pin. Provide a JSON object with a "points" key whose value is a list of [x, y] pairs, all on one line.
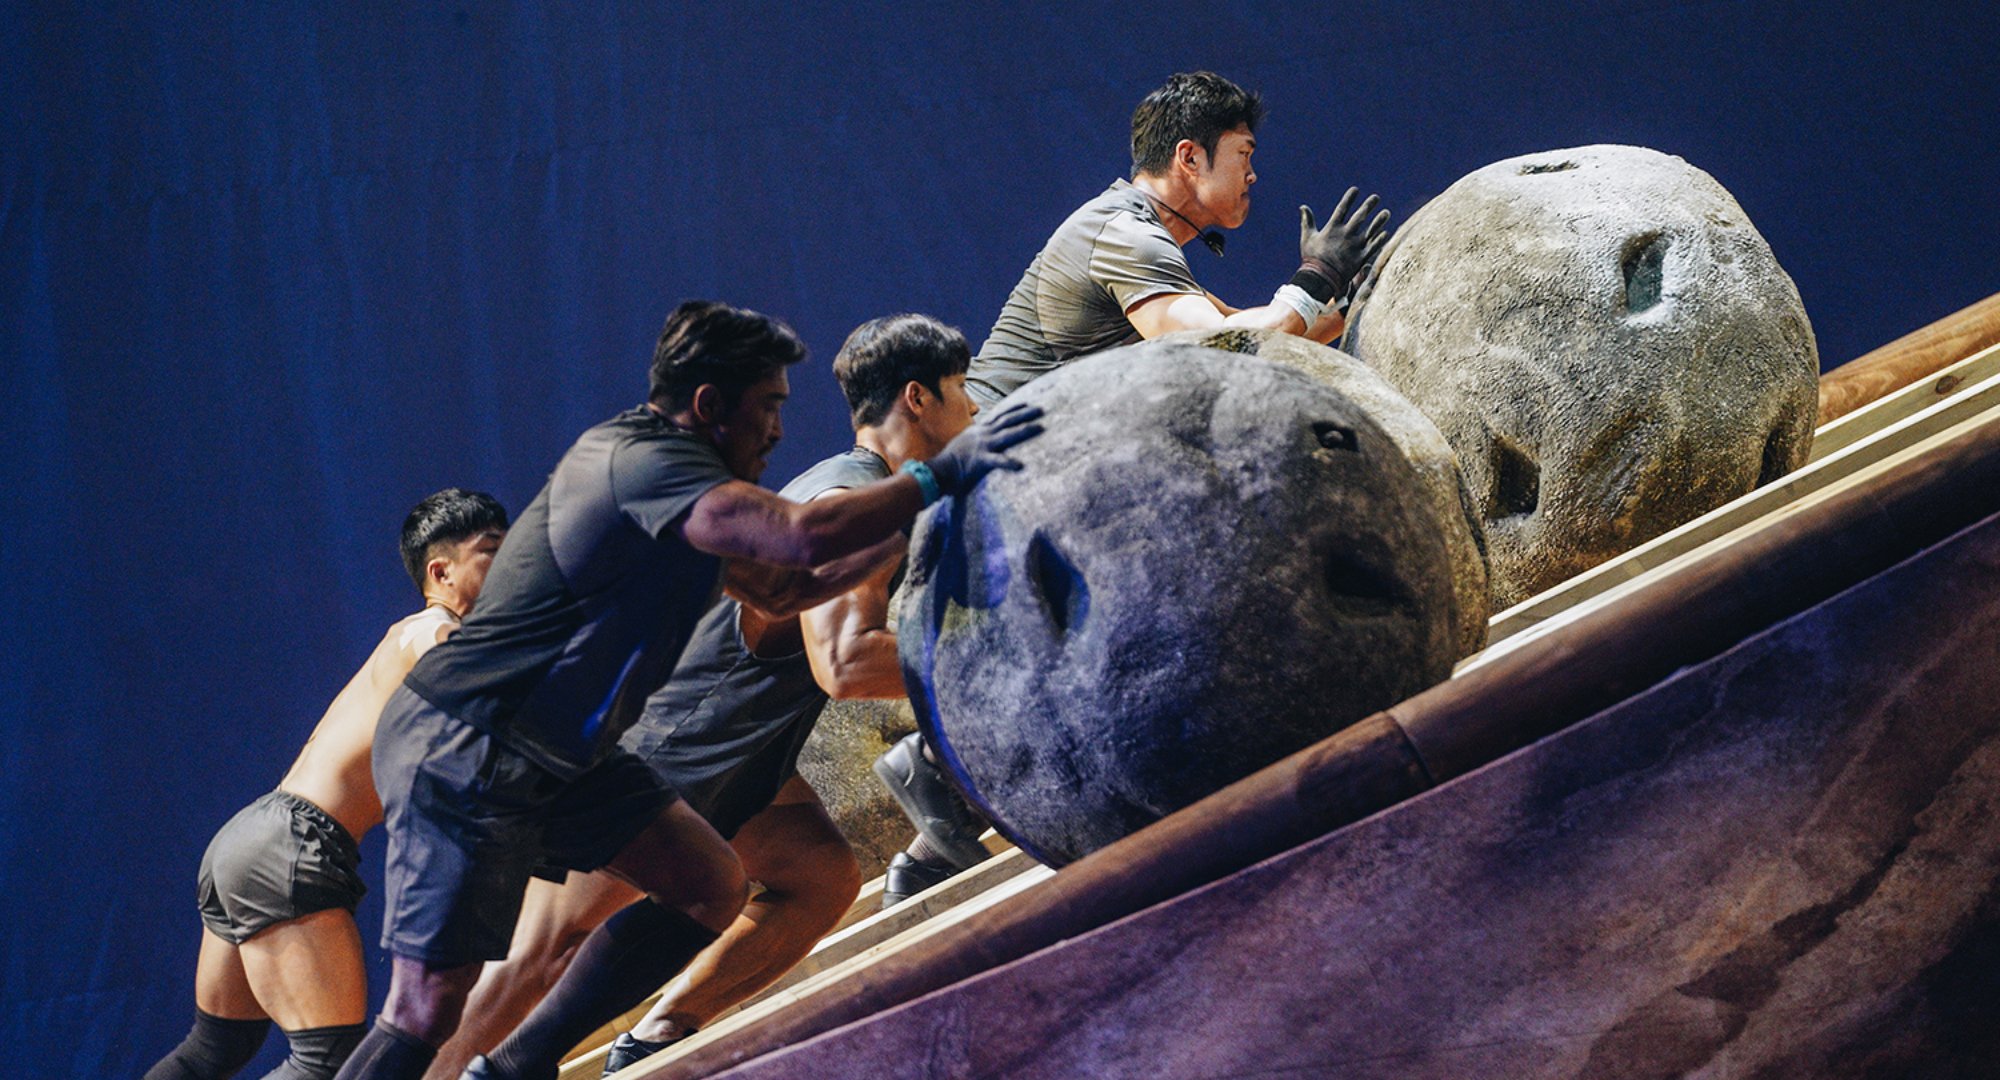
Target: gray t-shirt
{"points": [[1111, 254]]}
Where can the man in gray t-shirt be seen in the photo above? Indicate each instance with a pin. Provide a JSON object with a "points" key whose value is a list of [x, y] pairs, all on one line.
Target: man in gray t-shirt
{"points": [[1114, 273]]}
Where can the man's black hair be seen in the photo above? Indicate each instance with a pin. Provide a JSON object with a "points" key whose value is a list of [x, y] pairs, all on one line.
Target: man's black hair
{"points": [[709, 343], [1198, 105], [445, 518], [884, 355]]}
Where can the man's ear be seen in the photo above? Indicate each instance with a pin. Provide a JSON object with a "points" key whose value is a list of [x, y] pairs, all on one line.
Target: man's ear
{"points": [[437, 572], [915, 398], [707, 404], [1189, 154]]}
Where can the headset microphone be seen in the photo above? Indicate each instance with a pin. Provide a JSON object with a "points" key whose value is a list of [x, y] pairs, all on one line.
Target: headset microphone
{"points": [[1212, 239]]}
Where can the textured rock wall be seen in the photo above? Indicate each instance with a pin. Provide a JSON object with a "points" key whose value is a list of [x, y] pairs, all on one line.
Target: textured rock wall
{"points": [[1606, 341]]}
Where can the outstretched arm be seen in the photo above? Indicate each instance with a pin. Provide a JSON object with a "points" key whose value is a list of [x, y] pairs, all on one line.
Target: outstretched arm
{"points": [[1332, 259], [739, 520], [812, 552], [779, 592], [1195, 311]]}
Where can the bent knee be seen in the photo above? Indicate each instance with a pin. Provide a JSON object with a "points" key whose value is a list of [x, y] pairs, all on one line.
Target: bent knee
{"points": [[711, 891], [823, 877]]}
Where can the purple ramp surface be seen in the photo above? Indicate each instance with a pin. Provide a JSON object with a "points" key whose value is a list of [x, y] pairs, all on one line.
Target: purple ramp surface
{"points": [[1781, 862]]}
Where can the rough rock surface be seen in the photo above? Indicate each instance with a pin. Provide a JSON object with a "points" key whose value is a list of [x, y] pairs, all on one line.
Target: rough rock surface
{"points": [[838, 761], [1606, 341], [1413, 433], [1206, 562]]}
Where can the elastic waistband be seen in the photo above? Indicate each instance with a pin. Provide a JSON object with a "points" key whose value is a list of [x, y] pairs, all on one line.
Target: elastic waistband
{"points": [[301, 804]]}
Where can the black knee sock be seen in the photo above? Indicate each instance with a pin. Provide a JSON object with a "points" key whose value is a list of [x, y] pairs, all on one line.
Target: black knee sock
{"points": [[388, 1053], [633, 954], [213, 1050], [317, 1053]]}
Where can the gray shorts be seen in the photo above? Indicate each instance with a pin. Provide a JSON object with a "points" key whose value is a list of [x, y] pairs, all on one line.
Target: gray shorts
{"points": [[728, 798], [470, 820], [278, 859]]}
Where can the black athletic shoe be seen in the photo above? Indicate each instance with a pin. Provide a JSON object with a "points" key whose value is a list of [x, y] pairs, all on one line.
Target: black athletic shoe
{"points": [[932, 804], [628, 1049], [908, 875], [483, 1069]]}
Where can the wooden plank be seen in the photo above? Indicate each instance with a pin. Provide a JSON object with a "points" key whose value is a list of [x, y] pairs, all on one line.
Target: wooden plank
{"points": [[1908, 359], [1851, 443], [589, 1065], [869, 901], [1910, 400], [1857, 456], [864, 925]]}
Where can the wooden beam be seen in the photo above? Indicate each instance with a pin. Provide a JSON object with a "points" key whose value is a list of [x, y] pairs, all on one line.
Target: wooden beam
{"points": [[1908, 359], [864, 925]]}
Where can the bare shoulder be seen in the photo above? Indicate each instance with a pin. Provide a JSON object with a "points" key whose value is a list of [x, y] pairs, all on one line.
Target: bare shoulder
{"points": [[410, 637]]}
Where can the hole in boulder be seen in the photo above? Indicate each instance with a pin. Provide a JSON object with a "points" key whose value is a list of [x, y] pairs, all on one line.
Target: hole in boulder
{"points": [[1334, 436], [1360, 589], [1536, 168], [1060, 585], [1643, 264], [1517, 482]]}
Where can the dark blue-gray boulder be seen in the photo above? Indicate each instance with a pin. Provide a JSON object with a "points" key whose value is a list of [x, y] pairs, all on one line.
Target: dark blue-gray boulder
{"points": [[1207, 561]]}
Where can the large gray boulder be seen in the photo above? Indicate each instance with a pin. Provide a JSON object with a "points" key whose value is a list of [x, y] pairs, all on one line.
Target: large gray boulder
{"points": [[1413, 434], [1206, 561], [1606, 341]]}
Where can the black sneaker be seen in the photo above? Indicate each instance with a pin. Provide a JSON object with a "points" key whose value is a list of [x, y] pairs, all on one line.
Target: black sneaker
{"points": [[482, 1068], [931, 803], [908, 875], [627, 1049]]}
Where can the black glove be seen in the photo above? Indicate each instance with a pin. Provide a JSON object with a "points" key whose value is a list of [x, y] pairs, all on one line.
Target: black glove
{"points": [[1338, 254], [982, 448]]}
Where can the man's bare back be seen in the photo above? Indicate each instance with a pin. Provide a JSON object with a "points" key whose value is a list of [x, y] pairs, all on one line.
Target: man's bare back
{"points": [[279, 882], [332, 771]]}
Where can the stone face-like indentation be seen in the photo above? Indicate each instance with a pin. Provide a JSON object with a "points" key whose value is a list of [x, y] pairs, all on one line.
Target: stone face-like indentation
{"points": [[1414, 435], [1613, 313], [1209, 561], [1643, 262]]}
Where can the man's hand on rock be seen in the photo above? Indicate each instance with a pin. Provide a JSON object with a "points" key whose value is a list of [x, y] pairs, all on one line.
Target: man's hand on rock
{"points": [[983, 447], [1345, 247]]}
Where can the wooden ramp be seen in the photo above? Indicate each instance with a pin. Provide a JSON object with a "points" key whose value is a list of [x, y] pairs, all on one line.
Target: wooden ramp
{"points": [[876, 968]]}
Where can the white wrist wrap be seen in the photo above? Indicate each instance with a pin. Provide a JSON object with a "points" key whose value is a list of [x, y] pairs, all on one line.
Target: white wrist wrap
{"points": [[1300, 301]]}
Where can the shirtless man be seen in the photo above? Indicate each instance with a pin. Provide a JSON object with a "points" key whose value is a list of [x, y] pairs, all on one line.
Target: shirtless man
{"points": [[279, 882], [726, 729]]}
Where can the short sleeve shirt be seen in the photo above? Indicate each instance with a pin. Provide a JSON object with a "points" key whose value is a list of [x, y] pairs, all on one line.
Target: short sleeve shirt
{"points": [[726, 705], [593, 581], [1112, 253]]}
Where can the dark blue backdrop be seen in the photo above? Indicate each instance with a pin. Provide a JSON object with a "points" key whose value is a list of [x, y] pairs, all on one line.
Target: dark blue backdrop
{"points": [[267, 276]]}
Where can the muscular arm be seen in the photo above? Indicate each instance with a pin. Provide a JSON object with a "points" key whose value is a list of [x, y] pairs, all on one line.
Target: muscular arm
{"points": [[779, 592], [1163, 314], [738, 520], [784, 557], [849, 644]]}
